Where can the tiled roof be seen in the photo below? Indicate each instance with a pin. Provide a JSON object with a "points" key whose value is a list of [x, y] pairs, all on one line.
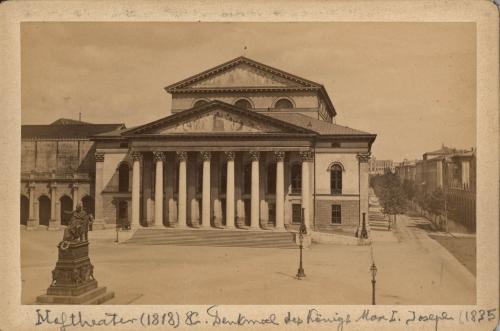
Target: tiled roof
{"points": [[66, 131], [318, 126]]}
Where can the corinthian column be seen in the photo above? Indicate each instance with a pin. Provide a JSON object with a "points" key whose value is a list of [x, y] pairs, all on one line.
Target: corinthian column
{"points": [[136, 181], [280, 190], [363, 186], [205, 198], [255, 212], [181, 213], [98, 217], [230, 190], [159, 158], [306, 194]]}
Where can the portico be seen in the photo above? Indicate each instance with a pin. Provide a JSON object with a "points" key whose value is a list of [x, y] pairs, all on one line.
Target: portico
{"points": [[218, 203]]}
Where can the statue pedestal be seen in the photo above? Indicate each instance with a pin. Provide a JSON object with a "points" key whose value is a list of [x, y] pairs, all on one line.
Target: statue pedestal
{"points": [[73, 279]]}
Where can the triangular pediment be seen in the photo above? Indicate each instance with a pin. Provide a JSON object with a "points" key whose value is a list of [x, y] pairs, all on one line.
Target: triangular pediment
{"points": [[218, 121], [216, 117], [242, 73]]}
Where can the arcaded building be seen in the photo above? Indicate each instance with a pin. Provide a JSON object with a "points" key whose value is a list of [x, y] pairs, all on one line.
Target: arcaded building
{"points": [[245, 146], [57, 170]]}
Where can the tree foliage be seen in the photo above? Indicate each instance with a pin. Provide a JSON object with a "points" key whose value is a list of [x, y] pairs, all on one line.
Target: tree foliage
{"points": [[391, 194]]}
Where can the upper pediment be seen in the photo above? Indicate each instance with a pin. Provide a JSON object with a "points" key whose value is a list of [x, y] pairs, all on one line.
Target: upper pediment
{"points": [[242, 73], [216, 117]]}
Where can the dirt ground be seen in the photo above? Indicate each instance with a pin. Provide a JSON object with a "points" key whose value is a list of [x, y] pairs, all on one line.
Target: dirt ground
{"points": [[464, 249]]}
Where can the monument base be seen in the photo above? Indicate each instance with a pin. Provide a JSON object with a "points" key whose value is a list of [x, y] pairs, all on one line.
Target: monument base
{"points": [[73, 280], [93, 297]]}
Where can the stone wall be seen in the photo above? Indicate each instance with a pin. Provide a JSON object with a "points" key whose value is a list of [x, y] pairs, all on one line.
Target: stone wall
{"points": [[349, 211], [61, 156]]}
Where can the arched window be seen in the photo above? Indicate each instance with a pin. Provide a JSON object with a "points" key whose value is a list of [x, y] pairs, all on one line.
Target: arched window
{"points": [[247, 178], [243, 103], [283, 104], [336, 179], [296, 178], [199, 103], [123, 177], [271, 178]]}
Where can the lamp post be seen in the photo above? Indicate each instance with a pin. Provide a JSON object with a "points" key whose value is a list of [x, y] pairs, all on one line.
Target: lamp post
{"points": [[373, 269], [302, 231], [117, 230]]}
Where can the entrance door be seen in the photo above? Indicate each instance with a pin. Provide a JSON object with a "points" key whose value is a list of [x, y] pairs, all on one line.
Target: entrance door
{"points": [[247, 211], [223, 210], [44, 210], [25, 209], [88, 204], [122, 220]]}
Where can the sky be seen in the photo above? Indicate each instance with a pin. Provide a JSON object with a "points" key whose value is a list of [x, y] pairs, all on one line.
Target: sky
{"points": [[413, 84]]}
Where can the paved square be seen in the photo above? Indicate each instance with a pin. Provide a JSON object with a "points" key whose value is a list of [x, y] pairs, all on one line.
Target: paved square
{"points": [[413, 269]]}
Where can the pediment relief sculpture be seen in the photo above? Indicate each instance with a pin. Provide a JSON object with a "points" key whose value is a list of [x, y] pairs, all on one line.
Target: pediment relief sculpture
{"points": [[218, 121]]}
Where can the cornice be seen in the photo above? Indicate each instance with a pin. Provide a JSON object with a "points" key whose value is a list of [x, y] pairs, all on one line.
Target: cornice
{"points": [[245, 89]]}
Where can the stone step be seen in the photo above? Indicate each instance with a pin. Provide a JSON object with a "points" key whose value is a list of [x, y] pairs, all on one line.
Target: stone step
{"points": [[217, 238], [94, 296]]}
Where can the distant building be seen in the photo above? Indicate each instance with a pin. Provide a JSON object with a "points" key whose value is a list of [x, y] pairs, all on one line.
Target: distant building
{"points": [[57, 170], [451, 170], [406, 169], [380, 167]]}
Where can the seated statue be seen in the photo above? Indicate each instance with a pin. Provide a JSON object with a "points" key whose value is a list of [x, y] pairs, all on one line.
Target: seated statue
{"points": [[78, 227]]}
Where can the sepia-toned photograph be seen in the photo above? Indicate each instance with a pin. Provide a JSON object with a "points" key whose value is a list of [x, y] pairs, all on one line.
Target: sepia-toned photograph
{"points": [[248, 163]]}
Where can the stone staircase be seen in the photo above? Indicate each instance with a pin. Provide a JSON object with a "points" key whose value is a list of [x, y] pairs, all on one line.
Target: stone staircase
{"points": [[377, 221], [215, 237]]}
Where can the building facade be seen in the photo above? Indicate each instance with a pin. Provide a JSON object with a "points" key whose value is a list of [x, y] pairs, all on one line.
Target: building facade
{"points": [[246, 146], [380, 167], [57, 170], [452, 171]]}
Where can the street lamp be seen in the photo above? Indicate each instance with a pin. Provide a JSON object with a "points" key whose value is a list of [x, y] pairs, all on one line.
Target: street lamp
{"points": [[302, 231], [373, 269], [117, 230]]}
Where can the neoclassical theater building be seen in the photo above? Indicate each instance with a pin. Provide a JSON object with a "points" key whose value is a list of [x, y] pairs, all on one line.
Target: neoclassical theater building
{"points": [[245, 146]]}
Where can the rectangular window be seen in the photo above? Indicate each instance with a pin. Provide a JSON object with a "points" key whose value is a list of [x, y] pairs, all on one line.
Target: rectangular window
{"points": [[296, 213], [336, 214]]}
